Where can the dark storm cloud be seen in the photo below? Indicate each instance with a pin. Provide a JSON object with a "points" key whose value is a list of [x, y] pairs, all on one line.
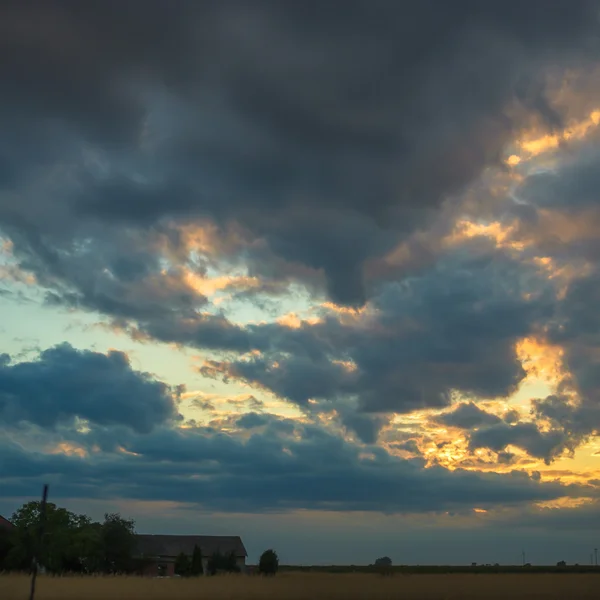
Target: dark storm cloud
{"points": [[329, 133], [527, 436], [63, 383], [467, 416], [575, 325], [278, 469], [252, 420], [453, 328], [365, 427]]}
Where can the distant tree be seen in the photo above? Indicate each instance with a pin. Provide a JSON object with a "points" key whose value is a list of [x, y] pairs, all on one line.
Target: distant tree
{"points": [[561, 563], [383, 565], [182, 565], [268, 563], [384, 561], [196, 567], [118, 541]]}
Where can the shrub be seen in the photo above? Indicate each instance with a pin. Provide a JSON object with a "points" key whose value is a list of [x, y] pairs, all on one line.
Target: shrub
{"points": [[268, 563]]}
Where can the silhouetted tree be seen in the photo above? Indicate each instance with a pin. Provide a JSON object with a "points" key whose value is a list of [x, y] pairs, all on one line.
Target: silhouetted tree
{"points": [[268, 563], [383, 565], [60, 551], [118, 540], [222, 562], [182, 564], [72, 542], [196, 567]]}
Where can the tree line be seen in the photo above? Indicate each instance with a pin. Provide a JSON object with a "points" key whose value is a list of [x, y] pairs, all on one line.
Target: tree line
{"points": [[71, 542]]}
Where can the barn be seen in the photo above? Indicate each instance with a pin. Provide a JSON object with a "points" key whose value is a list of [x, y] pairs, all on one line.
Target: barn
{"points": [[160, 551], [5, 524]]}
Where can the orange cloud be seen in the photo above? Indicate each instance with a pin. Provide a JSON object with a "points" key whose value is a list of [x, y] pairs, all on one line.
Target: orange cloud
{"points": [[293, 321], [6, 246], [540, 359], [502, 235], [565, 502], [68, 449], [349, 365], [208, 286], [532, 143], [13, 273]]}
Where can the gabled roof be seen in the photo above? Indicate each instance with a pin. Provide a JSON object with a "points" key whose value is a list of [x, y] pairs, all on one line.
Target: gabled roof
{"points": [[5, 523], [172, 545]]}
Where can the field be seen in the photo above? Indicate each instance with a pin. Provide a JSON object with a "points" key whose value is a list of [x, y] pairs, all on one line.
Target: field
{"points": [[310, 586]]}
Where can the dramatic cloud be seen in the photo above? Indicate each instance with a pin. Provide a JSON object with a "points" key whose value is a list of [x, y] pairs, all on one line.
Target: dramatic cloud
{"points": [[452, 329], [527, 436], [64, 383], [370, 216], [324, 136], [280, 468], [468, 416]]}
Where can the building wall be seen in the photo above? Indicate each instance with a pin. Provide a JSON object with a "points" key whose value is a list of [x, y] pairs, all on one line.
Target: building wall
{"points": [[162, 567], [240, 561], [168, 564]]}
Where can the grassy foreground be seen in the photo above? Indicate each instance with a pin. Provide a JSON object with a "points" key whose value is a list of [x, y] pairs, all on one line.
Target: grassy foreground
{"points": [[309, 586]]}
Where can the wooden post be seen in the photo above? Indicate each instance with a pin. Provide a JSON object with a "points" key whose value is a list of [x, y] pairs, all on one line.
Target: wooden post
{"points": [[40, 541]]}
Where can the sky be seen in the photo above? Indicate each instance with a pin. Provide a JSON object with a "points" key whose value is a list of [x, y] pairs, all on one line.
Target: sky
{"points": [[325, 275]]}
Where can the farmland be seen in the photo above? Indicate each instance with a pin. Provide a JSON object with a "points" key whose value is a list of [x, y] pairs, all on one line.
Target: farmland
{"points": [[314, 586]]}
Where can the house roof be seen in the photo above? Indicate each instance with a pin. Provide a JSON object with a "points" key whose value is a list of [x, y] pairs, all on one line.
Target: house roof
{"points": [[5, 523], [172, 545]]}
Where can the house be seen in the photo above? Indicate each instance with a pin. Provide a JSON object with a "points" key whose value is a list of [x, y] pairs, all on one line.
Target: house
{"points": [[160, 551], [5, 524]]}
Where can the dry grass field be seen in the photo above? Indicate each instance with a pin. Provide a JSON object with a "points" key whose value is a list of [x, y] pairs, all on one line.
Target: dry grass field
{"points": [[309, 586]]}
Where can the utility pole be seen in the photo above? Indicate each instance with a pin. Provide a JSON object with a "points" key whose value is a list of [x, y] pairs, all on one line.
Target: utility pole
{"points": [[37, 551], [523, 554], [596, 556]]}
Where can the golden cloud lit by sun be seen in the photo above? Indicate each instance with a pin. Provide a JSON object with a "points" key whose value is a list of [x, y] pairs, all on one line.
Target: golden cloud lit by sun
{"points": [[208, 286], [540, 359], [293, 321], [532, 143], [68, 449], [565, 502], [502, 235]]}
